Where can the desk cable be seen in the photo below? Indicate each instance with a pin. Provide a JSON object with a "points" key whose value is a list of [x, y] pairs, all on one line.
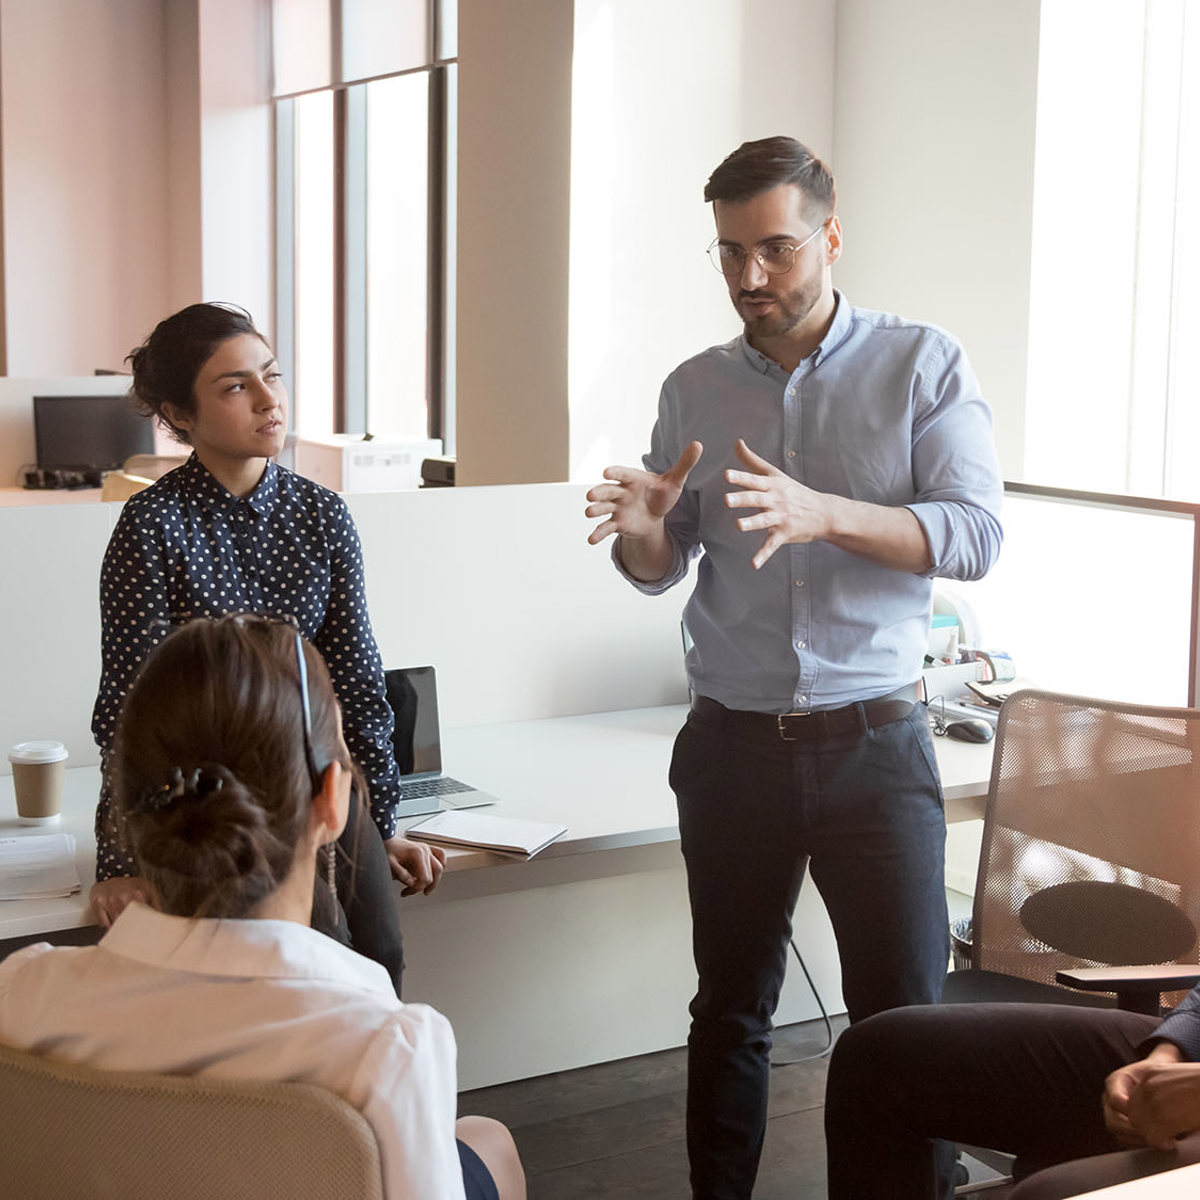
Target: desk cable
{"points": [[791, 1062]]}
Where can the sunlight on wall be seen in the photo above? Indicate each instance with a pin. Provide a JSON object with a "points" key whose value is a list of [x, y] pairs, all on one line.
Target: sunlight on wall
{"points": [[661, 94]]}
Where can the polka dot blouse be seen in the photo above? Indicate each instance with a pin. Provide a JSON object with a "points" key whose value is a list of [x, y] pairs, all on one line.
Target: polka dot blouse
{"points": [[186, 547]]}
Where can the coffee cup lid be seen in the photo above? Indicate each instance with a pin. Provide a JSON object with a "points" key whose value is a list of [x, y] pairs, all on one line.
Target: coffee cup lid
{"points": [[37, 752]]}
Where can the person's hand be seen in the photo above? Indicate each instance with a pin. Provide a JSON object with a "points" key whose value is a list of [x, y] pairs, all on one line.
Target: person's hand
{"points": [[789, 510], [109, 897], [635, 502], [1154, 1101], [417, 865]]}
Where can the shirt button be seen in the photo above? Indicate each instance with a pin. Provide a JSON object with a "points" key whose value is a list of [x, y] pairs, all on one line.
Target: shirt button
{"points": [[801, 699], [791, 454], [799, 645], [791, 391], [799, 582]]}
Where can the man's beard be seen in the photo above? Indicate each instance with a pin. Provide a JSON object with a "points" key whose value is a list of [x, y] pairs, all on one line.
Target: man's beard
{"points": [[790, 309]]}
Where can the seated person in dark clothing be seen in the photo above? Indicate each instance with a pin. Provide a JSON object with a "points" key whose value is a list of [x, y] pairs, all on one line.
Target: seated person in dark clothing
{"points": [[1084, 1097]]}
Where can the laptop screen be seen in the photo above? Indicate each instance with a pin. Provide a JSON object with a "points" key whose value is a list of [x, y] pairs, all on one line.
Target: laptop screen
{"points": [[416, 739], [88, 432]]}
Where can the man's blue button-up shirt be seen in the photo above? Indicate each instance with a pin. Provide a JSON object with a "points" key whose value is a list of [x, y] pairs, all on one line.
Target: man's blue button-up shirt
{"points": [[885, 411]]}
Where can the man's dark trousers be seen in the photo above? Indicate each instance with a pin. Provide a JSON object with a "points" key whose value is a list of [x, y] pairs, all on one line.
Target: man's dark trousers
{"points": [[866, 808]]}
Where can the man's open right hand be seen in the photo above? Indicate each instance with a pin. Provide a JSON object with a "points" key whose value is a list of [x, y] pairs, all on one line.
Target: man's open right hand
{"points": [[635, 502]]}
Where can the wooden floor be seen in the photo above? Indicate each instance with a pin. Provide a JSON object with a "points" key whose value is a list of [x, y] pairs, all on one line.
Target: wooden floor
{"points": [[616, 1129]]}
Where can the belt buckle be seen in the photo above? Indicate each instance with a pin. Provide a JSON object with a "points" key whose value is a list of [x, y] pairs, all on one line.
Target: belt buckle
{"points": [[779, 723]]}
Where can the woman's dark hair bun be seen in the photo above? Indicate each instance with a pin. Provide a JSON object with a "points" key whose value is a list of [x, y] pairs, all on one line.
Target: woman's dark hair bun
{"points": [[165, 366], [211, 836], [210, 773]]}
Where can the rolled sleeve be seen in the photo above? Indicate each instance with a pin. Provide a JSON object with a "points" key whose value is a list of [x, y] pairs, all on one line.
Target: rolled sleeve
{"points": [[682, 523], [1182, 1026], [955, 470]]}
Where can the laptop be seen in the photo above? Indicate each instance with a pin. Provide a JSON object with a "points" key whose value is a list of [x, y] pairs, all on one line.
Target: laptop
{"points": [[417, 742]]}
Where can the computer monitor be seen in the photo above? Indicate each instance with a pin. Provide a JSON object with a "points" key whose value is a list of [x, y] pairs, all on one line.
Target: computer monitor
{"points": [[88, 433]]}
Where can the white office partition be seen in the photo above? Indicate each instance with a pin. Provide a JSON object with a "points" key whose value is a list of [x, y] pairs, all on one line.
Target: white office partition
{"points": [[50, 624], [498, 588]]}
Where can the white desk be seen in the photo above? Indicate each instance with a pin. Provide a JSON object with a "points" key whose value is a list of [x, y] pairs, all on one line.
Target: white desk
{"points": [[1182, 1184], [581, 955], [604, 775]]}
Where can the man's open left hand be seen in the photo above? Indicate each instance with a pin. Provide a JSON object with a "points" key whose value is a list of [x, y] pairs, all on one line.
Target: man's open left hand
{"points": [[791, 512]]}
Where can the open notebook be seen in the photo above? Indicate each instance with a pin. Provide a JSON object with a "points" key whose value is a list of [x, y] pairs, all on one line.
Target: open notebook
{"points": [[487, 831]]}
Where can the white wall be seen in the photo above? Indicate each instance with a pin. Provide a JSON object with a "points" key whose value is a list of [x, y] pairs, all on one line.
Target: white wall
{"points": [[663, 92], [934, 152], [137, 168], [236, 156], [85, 184]]}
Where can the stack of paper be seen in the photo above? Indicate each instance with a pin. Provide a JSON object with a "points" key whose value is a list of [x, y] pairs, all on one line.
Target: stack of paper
{"points": [[507, 835], [38, 866]]}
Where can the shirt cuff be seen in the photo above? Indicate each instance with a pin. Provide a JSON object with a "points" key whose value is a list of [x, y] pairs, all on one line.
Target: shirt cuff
{"points": [[1181, 1028], [937, 520], [676, 572]]}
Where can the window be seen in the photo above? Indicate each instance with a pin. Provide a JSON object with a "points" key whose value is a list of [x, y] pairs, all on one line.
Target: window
{"points": [[1115, 296], [364, 129]]}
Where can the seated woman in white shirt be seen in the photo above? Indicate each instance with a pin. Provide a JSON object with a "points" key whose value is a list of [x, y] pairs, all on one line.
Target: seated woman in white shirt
{"points": [[230, 775]]}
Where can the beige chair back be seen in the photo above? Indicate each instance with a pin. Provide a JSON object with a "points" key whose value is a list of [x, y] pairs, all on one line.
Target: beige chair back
{"points": [[1091, 849], [71, 1131]]}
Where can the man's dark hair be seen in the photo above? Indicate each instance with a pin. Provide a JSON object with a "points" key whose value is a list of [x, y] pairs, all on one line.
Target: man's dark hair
{"points": [[756, 167]]}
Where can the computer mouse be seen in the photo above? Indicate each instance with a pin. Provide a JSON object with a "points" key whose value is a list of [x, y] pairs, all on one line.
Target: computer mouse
{"points": [[971, 729]]}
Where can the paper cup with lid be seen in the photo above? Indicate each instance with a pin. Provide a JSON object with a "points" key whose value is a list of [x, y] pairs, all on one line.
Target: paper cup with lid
{"points": [[37, 781]]}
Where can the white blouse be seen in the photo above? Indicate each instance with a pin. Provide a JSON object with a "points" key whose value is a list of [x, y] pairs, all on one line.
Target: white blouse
{"points": [[256, 1000]]}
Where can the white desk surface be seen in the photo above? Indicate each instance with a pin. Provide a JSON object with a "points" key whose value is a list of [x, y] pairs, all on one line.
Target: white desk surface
{"points": [[1180, 1184], [604, 775]]}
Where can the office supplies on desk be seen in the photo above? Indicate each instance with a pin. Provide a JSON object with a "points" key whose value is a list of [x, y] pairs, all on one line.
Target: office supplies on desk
{"points": [[505, 835], [417, 742], [38, 866]]}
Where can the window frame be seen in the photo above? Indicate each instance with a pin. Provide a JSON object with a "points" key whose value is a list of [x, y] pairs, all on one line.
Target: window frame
{"points": [[349, 404]]}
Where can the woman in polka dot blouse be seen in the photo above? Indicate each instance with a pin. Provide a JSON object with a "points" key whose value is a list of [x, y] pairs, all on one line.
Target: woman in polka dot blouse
{"points": [[231, 531]]}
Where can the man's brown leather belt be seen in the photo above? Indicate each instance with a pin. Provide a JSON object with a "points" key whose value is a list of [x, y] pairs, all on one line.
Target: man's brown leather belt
{"points": [[814, 726]]}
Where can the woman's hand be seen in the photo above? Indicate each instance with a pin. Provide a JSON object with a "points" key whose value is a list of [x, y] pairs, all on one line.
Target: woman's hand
{"points": [[417, 865], [110, 896]]}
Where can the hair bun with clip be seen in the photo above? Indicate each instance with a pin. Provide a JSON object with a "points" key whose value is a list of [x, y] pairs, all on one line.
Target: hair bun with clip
{"points": [[194, 784]]}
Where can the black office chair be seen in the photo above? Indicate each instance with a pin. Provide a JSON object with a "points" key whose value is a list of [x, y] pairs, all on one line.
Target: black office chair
{"points": [[1090, 864]]}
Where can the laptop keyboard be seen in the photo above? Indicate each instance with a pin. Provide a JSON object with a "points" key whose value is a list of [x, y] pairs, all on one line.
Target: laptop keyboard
{"points": [[443, 785]]}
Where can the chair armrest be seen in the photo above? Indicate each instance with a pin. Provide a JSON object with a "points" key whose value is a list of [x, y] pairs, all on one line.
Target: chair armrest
{"points": [[1137, 988]]}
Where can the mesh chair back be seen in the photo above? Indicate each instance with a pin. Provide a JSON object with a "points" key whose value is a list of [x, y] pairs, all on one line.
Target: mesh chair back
{"points": [[74, 1131], [1091, 846]]}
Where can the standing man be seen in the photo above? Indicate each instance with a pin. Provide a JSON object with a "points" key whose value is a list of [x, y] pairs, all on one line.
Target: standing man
{"points": [[826, 465]]}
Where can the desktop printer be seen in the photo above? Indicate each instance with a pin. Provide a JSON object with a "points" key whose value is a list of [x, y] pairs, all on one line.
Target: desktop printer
{"points": [[350, 462]]}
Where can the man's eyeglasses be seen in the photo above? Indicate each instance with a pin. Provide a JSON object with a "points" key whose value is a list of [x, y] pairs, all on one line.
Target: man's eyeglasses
{"points": [[776, 258]]}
